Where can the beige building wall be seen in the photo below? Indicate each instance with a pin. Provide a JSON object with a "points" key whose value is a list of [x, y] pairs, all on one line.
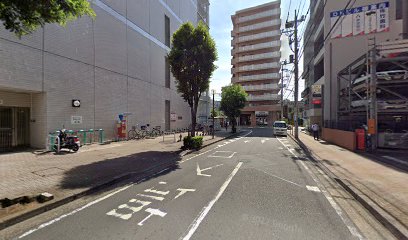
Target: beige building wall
{"points": [[113, 64], [256, 60]]}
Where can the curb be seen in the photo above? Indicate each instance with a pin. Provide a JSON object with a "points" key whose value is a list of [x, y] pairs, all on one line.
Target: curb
{"points": [[389, 222], [145, 174]]}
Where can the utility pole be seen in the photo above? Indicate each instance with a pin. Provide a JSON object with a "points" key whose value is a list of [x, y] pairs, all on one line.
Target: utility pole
{"points": [[372, 122], [289, 25], [282, 85], [213, 114]]}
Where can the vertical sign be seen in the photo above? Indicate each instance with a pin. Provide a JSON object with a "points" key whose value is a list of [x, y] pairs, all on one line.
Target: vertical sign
{"points": [[334, 18], [347, 23], [371, 19], [358, 21], [383, 18]]}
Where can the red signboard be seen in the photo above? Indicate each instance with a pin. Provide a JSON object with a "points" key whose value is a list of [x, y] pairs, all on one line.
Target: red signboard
{"points": [[317, 101]]}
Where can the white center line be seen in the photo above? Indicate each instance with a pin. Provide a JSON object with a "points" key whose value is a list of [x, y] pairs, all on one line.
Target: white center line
{"points": [[396, 160], [193, 227]]}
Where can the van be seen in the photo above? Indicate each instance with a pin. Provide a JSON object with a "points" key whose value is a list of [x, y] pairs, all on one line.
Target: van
{"points": [[280, 128]]}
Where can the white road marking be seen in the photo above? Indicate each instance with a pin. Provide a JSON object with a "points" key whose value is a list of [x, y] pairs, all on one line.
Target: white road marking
{"points": [[152, 197], [152, 212], [194, 225], [312, 188], [247, 141], [151, 190], [199, 171], [396, 160], [283, 179], [214, 155], [131, 209], [188, 159], [162, 182], [183, 191], [262, 141], [353, 230], [104, 197]]}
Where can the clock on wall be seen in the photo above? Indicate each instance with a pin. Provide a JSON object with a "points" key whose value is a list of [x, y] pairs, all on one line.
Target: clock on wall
{"points": [[76, 103]]}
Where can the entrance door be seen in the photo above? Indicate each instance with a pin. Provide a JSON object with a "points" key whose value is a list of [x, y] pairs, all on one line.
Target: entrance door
{"points": [[22, 127], [6, 129]]}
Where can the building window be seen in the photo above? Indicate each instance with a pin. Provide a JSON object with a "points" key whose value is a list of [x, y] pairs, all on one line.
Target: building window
{"points": [[167, 30], [167, 72], [398, 9]]}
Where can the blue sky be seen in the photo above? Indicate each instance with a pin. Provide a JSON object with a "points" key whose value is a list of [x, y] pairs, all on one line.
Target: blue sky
{"points": [[221, 26]]}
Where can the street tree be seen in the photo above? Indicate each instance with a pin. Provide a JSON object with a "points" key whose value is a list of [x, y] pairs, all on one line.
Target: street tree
{"points": [[25, 16], [192, 60], [233, 99]]}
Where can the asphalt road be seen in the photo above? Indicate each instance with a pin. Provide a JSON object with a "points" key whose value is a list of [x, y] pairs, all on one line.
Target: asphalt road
{"points": [[249, 187]]}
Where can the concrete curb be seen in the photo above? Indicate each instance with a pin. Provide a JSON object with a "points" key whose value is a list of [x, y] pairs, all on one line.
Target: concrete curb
{"points": [[146, 174], [395, 227]]}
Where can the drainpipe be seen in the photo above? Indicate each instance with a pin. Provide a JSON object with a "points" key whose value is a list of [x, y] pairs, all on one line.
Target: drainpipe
{"points": [[404, 19]]}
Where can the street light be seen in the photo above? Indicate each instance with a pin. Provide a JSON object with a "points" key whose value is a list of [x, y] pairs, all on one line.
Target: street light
{"points": [[213, 114]]}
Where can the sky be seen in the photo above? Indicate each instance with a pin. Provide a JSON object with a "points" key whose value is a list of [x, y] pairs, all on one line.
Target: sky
{"points": [[220, 30]]}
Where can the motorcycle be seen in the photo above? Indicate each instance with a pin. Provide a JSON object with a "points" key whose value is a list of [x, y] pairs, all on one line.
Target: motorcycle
{"points": [[71, 143]]}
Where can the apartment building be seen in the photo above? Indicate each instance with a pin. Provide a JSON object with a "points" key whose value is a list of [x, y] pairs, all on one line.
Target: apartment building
{"points": [[329, 50], [256, 61], [113, 64]]}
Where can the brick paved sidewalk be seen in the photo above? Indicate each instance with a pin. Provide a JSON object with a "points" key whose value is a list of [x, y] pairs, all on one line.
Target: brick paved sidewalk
{"points": [[67, 174], [384, 185]]}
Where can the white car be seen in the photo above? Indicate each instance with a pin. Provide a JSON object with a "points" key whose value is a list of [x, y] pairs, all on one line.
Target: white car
{"points": [[280, 128]]}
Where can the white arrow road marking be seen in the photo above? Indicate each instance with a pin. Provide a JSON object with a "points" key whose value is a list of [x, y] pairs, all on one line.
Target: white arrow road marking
{"points": [[182, 191], [199, 171], [193, 227], [152, 212], [247, 141]]}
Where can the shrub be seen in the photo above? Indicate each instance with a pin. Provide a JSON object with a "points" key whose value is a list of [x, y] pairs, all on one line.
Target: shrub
{"points": [[192, 142]]}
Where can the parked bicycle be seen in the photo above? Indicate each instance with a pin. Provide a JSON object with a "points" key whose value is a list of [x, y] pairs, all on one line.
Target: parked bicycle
{"points": [[134, 133]]}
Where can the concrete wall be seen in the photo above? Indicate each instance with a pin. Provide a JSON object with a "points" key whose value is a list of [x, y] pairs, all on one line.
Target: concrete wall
{"points": [[337, 56], [340, 138], [113, 64]]}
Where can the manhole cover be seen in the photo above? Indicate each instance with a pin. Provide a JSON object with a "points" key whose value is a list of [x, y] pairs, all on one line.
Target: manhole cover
{"points": [[49, 172]]}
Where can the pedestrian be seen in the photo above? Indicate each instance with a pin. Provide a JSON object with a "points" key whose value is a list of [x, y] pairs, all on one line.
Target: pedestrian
{"points": [[315, 129], [226, 126]]}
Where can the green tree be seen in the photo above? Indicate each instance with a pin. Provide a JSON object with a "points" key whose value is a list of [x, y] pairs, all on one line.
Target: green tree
{"points": [[25, 16], [192, 60], [215, 113], [233, 99]]}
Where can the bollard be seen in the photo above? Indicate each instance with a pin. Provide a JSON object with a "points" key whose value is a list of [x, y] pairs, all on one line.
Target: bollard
{"points": [[101, 136], [82, 136], [91, 136]]}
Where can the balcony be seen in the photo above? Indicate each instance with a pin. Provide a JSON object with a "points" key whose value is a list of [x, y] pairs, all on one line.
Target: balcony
{"points": [[260, 25], [259, 56], [264, 97], [259, 46], [262, 66], [269, 13], [261, 87], [259, 36], [266, 76]]}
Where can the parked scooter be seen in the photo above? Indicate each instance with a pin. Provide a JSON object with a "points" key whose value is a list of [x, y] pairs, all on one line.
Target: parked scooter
{"points": [[71, 143]]}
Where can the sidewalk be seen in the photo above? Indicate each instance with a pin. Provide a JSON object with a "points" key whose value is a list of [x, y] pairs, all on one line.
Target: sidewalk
{"points": [[377, 186], [69, 174]]}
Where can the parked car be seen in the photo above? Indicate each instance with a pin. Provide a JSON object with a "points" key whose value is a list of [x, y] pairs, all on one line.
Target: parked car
{"points": [[393, 104]]}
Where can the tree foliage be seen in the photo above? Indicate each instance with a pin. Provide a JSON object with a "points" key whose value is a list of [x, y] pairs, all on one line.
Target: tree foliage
{"points": [[233, 99], [192, 60], [24, 16]]}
